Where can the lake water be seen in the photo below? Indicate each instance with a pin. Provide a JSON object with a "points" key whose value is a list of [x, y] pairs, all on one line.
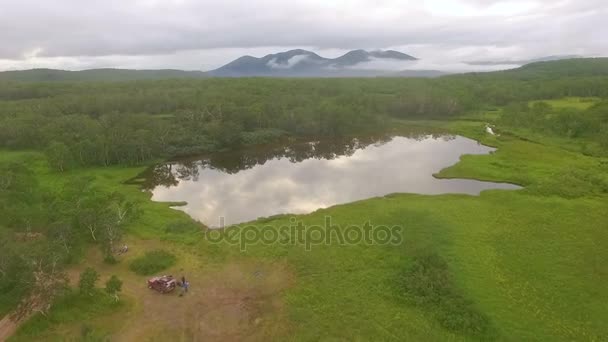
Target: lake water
{"points": [[300, 177]]}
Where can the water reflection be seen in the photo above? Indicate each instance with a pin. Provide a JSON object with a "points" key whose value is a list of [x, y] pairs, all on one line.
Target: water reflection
{"points": [[300, 177]]}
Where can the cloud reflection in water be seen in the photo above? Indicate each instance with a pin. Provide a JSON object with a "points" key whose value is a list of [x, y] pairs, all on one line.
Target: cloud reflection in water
{"points": [[302, 178]]}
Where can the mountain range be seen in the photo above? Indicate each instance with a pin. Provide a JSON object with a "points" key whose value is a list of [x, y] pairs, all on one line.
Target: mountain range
{"points": [[293, 63], [303, 63]]}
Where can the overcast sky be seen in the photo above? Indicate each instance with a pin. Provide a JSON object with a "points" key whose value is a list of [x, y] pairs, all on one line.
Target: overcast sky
{"points": [[202, 34]]}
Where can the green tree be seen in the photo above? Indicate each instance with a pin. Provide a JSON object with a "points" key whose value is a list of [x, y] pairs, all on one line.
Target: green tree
{"points": [[58, 155], [63, 235], [224, 133], [88, 278], [121, 212], [93, 212]]}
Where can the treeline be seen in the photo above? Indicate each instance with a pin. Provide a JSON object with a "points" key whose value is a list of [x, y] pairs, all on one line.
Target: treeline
{"points": [[130, 123], [590, 124], [83, 124]]}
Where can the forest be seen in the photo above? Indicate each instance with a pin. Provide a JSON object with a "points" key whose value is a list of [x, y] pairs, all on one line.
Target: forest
{"points": [[85, 124]]}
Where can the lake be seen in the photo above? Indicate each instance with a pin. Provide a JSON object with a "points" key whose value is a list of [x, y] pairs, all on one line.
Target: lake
{"points": [[303, 176]]}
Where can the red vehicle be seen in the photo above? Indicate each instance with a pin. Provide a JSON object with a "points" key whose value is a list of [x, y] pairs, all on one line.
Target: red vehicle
{"points": [[162, 284]]}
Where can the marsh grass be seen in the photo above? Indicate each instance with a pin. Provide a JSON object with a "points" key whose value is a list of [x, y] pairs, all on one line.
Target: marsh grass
{"points": [[152, 262]]}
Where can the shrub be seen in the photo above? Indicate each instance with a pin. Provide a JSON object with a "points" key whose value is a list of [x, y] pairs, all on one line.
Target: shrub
{"points": [[114, 286], [428, 284], [152, 262]]}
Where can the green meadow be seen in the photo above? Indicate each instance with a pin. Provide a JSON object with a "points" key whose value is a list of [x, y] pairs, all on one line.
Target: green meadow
{"points": [[524, 265]]}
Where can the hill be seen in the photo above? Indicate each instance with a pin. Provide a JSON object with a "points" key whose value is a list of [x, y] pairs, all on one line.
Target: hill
{"points": [[53, 75], [576, 67], [565, 67]]}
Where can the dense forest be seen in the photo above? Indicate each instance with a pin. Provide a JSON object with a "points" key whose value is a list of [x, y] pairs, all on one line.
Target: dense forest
{"points": [[81, 124], [84, 124]]}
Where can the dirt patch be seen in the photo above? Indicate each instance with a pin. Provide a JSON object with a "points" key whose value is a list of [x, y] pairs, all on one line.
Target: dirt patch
{"points": [[227, 302], [7, 328], [234, 303]]}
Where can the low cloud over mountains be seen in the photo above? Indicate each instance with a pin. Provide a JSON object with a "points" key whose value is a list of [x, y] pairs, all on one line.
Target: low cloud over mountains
{"points": [[300, 62]]}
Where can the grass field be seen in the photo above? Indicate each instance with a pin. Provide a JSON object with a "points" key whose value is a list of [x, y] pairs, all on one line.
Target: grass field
{"points": [[521, 265]]}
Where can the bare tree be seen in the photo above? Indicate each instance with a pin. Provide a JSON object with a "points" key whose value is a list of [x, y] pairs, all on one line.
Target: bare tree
{"points": [[120, 211], [47, 282], [62, 234]]}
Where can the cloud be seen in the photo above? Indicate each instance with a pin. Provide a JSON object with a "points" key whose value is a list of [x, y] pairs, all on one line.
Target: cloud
{"points": [[428, 64], [173, 33], [290, 62]]}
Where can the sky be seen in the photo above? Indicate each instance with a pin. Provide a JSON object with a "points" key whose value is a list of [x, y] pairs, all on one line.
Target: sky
{"points": [[203, 34]]}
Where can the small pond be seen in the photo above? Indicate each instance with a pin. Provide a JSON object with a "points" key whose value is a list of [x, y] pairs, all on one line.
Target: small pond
{"points": [[302, 176]]}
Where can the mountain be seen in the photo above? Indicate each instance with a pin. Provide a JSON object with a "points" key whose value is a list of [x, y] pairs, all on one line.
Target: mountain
{"points": [[303, 63], [293, 61], [361, 56], [524, 61], [52, 75]]}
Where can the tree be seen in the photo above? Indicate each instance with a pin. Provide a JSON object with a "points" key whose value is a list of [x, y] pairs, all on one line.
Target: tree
{"points": [[62, 234], [114, 286], [88, 278], [94, 211], [58, 155], [104, 216], [15, 269], [120, 212]]}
